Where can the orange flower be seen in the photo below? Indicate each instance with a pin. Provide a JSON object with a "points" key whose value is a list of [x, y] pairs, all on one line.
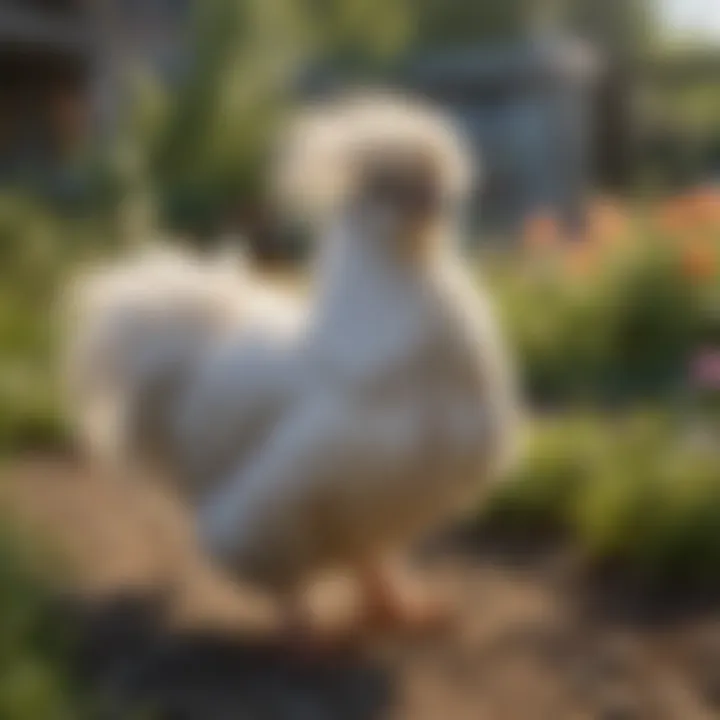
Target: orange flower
{"points": [[541, 232], [699, 260], [675, 217], [694, 212], [581, 259], [706, 206], [607, 224]]}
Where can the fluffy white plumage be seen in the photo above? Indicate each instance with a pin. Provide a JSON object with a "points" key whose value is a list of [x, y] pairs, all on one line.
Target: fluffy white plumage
{"points": [[323, 435]]}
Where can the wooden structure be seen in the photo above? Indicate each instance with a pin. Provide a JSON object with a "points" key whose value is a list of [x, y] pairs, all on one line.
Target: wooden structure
{"points": [[62, 66], [46, 51]]}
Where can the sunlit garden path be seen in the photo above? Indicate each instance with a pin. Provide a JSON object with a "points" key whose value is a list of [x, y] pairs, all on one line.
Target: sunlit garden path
{"points": [[160, 631]]}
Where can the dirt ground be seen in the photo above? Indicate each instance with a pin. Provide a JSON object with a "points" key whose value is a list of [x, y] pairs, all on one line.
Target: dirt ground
{"points": [[164, 634]]}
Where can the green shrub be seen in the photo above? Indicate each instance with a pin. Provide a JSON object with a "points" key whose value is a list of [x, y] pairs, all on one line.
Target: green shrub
{"points": [[37, 249], [634, 490], [541, 494], [625, 329]]}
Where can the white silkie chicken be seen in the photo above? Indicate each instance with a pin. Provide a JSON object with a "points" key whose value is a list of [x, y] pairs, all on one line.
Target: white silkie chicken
{"points": [[323, 437]]}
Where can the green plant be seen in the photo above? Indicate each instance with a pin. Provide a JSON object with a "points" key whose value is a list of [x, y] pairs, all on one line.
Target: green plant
{"points": [[37, 248], [613, 320], [636, 490], [36, 644]]}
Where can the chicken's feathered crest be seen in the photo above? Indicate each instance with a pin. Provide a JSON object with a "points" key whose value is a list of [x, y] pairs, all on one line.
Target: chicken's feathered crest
{"points": [[330, 145]]}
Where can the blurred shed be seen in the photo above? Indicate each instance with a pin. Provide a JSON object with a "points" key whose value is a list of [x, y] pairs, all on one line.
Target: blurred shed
{"points": [[529, 112]]}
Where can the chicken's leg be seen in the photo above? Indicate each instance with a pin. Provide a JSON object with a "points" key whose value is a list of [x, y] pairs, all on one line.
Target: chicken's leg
{"points": [[389, 603]]}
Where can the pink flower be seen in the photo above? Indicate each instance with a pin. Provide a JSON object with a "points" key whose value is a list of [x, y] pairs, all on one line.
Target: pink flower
{"points": [[705, 369]]}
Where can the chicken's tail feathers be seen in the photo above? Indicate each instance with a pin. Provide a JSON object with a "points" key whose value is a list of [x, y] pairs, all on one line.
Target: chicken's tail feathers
{"points": [[134, 332]]}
